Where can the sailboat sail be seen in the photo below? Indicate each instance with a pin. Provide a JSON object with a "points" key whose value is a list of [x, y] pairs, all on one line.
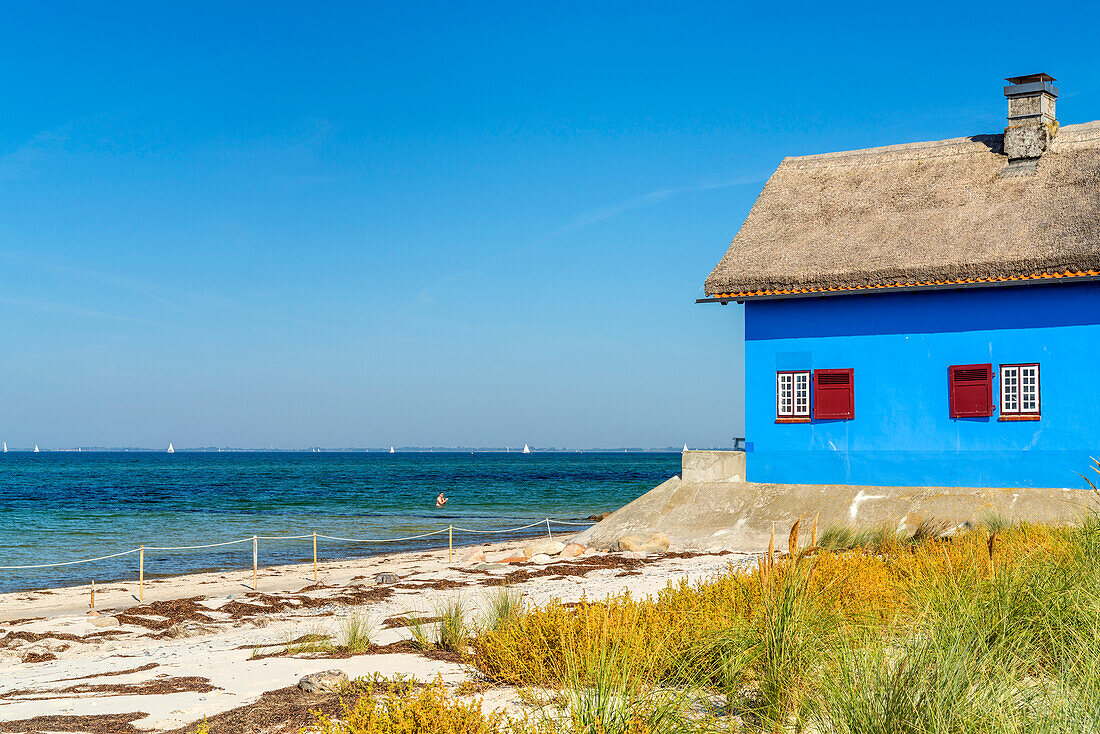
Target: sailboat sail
{"points": [[5, 447], [392, 451], [685, 447], [170, 449], [36, 448], [526, 449]]}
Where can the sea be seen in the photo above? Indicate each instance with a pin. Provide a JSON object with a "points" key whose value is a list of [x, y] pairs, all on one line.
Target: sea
{"points": [[57, 507]]}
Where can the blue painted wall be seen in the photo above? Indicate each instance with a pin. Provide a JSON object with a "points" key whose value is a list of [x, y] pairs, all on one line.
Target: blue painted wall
{"points": [[900, 346]]}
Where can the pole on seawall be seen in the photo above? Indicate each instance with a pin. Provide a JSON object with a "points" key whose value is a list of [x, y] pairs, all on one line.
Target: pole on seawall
{"points": [[315, 556], [255, 559], [450, 543], [141, 575]]}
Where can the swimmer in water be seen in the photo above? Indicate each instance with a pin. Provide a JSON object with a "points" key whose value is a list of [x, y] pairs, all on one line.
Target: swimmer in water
{"points": [[440, 500]]}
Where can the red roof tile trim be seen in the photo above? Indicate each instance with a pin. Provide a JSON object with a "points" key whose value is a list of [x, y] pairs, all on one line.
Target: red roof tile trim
{"points": [[912, 284]]}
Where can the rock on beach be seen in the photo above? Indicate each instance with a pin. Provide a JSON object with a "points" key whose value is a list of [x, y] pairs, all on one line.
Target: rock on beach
{"points": [[325, 681], [650, 543], [572, 550], [543, 547]]}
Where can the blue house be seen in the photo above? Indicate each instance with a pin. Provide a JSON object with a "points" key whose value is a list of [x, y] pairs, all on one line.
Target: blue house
{"points": [[926, 314]]}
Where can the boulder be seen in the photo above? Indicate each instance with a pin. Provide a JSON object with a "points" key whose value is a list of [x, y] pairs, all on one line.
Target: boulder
{"points": [[516, 557], [650, 543], [386, 578], [105, 622], [541, 558], [484, 567], [477, 556], [327, 681], [183, 630], [545, 547], [572, 550]]}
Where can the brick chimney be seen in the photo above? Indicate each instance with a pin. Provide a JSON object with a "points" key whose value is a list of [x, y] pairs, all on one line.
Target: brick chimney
{"points": [[1031, 120]]}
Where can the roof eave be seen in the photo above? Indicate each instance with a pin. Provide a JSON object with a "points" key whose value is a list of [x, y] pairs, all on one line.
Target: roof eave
{"points": [[869, 290]]}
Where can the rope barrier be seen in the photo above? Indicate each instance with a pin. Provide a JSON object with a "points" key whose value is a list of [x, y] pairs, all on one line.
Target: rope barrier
{"points": [[194, 547], [450, 529], [70, 563], [509, 530], [382, 540]]}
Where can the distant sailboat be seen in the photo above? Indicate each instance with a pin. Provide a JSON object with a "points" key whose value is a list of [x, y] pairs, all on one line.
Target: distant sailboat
{"points": [[170, 449], [5, 447], [36, 448], [685, 447], [392, 451], [526, 449]]}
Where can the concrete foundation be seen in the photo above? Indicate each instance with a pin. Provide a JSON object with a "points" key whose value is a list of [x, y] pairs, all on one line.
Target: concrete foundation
{"points": [[710, 507]]}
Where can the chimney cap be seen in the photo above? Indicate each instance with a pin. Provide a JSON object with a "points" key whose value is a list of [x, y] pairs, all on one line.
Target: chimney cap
{"points": [[1028, 78]]}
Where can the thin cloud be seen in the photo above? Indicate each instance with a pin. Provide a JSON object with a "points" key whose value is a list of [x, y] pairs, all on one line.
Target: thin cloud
{"points": [[59, 267], [70, 310], [649, 199], [594, 216]]}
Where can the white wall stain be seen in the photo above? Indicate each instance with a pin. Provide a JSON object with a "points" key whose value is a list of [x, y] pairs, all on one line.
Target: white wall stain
{"points": [[859, 499]]}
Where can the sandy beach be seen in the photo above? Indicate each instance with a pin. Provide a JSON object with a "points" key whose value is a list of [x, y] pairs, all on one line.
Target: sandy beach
{"points": [[208, 645]]}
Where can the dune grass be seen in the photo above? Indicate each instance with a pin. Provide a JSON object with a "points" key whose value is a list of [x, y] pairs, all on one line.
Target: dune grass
{"points": [[991, 629], [412, 710], [357, 632]]}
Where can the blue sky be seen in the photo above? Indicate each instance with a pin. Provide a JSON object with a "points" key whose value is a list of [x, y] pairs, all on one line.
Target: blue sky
{"points": [[363, 224]]}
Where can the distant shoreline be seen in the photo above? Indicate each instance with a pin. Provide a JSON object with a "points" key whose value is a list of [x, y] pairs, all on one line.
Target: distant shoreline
{"points": [[319, 450]]}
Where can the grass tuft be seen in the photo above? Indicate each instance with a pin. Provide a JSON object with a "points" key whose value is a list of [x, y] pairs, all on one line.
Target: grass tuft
{"points": [[358, 632]]}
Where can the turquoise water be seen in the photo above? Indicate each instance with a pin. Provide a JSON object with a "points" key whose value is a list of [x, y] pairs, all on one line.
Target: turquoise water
{"points": [[65, 506]]}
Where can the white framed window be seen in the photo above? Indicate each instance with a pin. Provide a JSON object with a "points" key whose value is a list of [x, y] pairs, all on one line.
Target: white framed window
{"points": [[792, 394], [1020, 389]]}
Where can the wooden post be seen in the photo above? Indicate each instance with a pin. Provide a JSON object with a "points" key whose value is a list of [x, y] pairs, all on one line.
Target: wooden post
{"points": [[548, 529], [141, 575], [450, 543], [255, 560], [314, 556], [91, 604]]}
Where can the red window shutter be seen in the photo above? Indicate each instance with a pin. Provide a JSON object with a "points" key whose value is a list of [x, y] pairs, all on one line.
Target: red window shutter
{"points": [[834, 394], [971, 388]]}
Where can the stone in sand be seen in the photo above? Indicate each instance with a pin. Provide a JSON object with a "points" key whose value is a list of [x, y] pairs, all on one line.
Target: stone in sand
{"points": [[651, 543], [183, 630], [484, 566], [386, 578], [541, 558], [327, 681], [635, 555], [572, 550], [512, 558], [105, 622], [477, 556], [547, 547]]}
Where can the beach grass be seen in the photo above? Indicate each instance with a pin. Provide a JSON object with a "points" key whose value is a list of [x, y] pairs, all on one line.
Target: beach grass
{"points": [[358, 632], [392, 709], [995, 628], [453, 630]]}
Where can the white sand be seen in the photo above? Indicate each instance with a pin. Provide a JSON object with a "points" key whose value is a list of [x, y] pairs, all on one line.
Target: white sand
{"points": [[222, 654]]}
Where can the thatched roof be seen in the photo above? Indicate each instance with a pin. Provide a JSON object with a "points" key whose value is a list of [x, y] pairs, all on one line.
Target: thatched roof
{"points": [[919, 214]]}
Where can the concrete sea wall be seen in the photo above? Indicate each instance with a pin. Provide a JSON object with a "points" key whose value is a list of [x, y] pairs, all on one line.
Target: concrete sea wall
{"points": [[710, 506]]}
